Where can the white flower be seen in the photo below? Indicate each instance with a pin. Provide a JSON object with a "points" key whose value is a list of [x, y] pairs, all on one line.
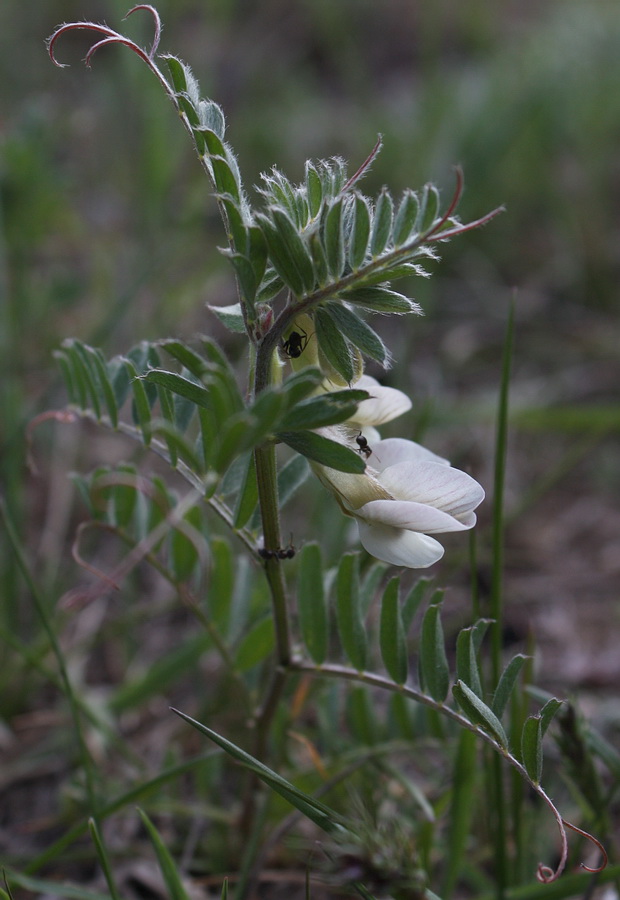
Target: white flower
{"points": [[406, 494], [383, 405]]}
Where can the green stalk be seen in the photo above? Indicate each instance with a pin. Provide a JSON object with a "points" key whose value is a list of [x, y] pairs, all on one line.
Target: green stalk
{"points": [[496, 784], [267, 482]]}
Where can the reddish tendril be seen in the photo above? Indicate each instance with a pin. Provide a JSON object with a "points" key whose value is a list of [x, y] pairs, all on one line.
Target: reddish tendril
{"points": [[111, 37], [545, 874]]}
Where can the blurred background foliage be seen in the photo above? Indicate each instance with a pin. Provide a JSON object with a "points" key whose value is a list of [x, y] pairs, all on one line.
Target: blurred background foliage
{"points": [[108, 234]]}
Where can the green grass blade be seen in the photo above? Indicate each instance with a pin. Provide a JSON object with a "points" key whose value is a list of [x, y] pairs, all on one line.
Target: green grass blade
{"points": [[313, 809], [169, 870], [464, 779], [103, 859]]}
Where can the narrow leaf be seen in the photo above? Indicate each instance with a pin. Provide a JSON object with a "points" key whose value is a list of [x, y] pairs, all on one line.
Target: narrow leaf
{"points": [[311, 603], [323, 450], [382, 225], [180, 385], [326, 409], [287, 251], [348, 612], [313, 809], [333, 345], [177, 73], [479, 713], [406, 217], [434, 670], [392, 634], [429, 207], [247, 498], [314, 190], [413, 601], [333, 239], [141, 403], [548, 712], [531, 748], [360, 716], [382, 300], [256, 645], [506, 684], [221, 583], [104, 859], [171, 875], [358, 332], [466, 661], [230, 316], [360, 233]]}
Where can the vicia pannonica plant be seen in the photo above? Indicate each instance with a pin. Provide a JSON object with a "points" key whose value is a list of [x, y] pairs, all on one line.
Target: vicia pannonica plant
{"points": [[313, 263]]}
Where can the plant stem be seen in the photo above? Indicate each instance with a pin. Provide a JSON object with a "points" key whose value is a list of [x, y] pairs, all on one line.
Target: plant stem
{"points": [[265, 459], [496, 785]]}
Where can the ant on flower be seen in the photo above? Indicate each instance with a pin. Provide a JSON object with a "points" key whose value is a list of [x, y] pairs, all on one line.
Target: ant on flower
{"points": [[295, 344], [363, 449]]}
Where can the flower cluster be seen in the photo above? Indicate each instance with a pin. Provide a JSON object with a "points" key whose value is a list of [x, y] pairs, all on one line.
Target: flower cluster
{"points": [[406, 494]]}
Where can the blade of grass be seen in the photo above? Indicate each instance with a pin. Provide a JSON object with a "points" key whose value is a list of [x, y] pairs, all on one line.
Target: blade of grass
{"points": [[103, 859], [495, 785]]}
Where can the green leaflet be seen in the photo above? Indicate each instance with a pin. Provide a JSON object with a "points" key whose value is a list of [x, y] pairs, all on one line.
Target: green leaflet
{"points": [[434, 670], [406, 218], [326, 409], [358, 332], [333, 345], [178, 384], [230, 316], [333, 239], [381, 299], [256, 645], [479, 713], [531, 747], [360, 232], [506, 684], [467, 662], [392, 634], [348, 612], [311, 603], [323, 450], [287, 252], [382, 225]]}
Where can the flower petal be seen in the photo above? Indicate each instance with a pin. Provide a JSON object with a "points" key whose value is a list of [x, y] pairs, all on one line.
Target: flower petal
{"points": [[395, 450], [437, 485], [398, 547], [411, 516], [383, 405]]}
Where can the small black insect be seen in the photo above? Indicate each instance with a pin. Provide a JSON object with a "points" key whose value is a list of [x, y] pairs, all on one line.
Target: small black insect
{"points": [[280, 553], [287, 552], [363, 447], [295, 344]]}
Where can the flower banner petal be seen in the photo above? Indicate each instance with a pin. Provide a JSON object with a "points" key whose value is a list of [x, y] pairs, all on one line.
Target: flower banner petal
{"points": [[395, 450], [437, 485], [383, 405]]}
